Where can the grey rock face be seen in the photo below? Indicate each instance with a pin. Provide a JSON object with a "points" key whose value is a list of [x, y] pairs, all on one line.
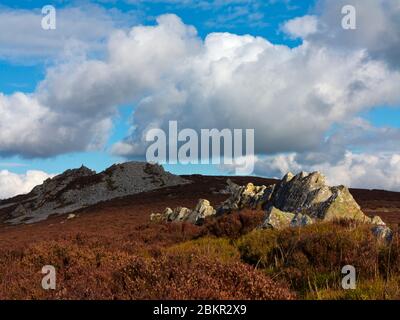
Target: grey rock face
{"points": [[277, 219], [308, 194], [301, 220], [79, 188]]}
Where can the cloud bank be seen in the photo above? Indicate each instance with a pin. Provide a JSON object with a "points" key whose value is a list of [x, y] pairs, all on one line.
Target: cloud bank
{"points": [[12, 184], [79, 29], [292, 97]]}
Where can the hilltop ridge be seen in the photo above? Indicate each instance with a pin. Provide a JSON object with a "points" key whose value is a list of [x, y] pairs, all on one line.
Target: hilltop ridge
{"points": [[78, 188]]}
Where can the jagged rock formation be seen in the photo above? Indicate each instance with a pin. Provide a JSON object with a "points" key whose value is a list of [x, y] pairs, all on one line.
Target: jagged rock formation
{"points": [[249, 196], [196, 216], [295, 201], [309, 194], [79, 188], [301, 200]]}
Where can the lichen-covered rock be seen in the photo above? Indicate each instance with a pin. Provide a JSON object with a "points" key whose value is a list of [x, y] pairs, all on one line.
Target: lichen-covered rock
{"points": [[382, 232], [277, 219], [167, 212], [248, 196], [300, 200], [341, 205], [301, 220], [309, 194], [306, 194], [196, 216], [295, 201], [179, 214], [157, 217], [201, 212], [378, 221]]}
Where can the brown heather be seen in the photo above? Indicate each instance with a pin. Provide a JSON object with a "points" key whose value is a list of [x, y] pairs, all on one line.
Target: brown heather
{"points": [[111, 251], [310, 259], [203, 269]]}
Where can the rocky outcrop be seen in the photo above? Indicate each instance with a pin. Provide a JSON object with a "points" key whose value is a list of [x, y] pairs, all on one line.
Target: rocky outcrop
{"points": [[295, 201], [308, 194], [78, 188], [305, 196], [249, 196], [196, 216], [300, 200]]}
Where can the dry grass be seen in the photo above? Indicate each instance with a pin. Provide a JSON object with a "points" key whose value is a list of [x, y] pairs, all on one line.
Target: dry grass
{"points": [[310, 259]]}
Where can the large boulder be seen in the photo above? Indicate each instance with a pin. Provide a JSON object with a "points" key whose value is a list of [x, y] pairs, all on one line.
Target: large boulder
{"points": [[277, 219], [295, 201]]}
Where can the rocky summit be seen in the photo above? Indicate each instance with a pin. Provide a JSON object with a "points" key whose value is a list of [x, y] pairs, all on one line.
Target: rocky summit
{"points": [[79, 188]]}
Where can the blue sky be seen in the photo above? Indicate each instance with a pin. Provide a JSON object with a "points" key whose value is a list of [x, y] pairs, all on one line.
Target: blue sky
{"points": [[24, 76], [296, 40]]}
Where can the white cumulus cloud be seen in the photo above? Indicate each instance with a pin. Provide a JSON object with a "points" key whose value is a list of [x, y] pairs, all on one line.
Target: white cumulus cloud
{"points": [[12, 184], [23, 40], [292, 97], [357, 170], [301, 27]]}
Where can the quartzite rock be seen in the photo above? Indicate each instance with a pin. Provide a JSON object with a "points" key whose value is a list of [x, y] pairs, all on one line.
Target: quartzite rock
{"points": [[202, 210], [277, 219], [249, 196]]}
